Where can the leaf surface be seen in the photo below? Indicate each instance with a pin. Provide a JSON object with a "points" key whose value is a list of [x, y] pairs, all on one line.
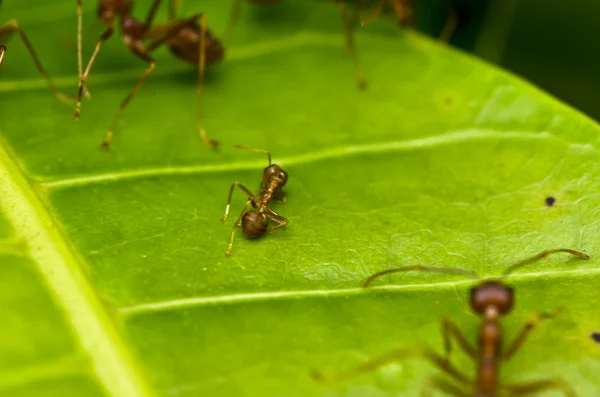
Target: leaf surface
{"points": [[114, 279]]}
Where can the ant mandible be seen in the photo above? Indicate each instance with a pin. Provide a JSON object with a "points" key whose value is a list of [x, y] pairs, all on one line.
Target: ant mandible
{"points": [[347, 23], [490, 300], [188, 39], [6, 31], [255, 221]]}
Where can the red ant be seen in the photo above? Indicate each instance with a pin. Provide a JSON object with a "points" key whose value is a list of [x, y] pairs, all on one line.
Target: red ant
{"points": [[188, 39], [347, 23], [6, 32], [255, 222], [490, 300]]}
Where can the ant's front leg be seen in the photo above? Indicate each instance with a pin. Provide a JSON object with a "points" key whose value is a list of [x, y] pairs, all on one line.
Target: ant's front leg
{"points": [[449, 329], [526, 329], [248, 193], [237, 224]]}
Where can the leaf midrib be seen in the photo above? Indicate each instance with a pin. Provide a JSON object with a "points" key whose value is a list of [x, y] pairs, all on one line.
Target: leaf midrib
{"points": [[449, 138], [110, 358], [174, 304]]}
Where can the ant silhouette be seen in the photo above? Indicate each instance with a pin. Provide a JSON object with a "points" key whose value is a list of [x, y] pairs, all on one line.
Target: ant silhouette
{"points": [[490, 300], [347, 23], [255, 222], [188, 39]]}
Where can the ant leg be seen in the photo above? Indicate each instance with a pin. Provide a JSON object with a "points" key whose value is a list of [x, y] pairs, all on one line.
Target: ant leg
{"points": [[542, 255], [201, 66], [237, 224], [450, 329], [2, 51], [79, 46], [151, 14], [173, 9], [400, 354], [351, 44], [233, 17], [103, 37], [145, 76], [449, 27], [402, 11], [11, 27], [376, 11], [255, 150], [272, 215], [538, 386], [173, 31], [248, 193], [526, 329], [436, 383]]}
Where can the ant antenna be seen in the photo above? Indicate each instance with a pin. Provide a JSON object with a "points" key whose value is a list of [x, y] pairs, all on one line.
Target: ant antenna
{"points": [[423, 268], [2, 51], [255, 150], [542, 255]]}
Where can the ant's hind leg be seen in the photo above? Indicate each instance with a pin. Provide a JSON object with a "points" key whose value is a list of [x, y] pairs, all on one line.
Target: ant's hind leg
{"points": [[2, 51], [11, 27], [351, 44], [280, 220], [533, 388]]}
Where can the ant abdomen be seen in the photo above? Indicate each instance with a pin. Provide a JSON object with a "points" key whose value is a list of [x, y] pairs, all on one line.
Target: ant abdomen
{"points": [[254, 223], [186, 45]]}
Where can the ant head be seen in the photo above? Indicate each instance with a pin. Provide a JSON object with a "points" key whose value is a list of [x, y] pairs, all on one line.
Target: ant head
{"points": [[275, 172], [492, 293], [254, 223]]}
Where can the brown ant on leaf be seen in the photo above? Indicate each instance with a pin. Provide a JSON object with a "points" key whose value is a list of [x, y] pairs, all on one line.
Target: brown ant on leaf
{"points": [[188, 39], [347, 23], [490, 300], [255, 221]]}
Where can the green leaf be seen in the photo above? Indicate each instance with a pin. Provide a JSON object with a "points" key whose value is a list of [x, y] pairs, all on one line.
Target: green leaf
{"points": [[114, 279]]}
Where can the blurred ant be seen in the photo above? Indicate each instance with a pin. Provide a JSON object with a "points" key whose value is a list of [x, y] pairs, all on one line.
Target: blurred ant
{"points": [[255, 221], [347, 23], [403, 11], [188, 39], [6, 31], [490, 300]]}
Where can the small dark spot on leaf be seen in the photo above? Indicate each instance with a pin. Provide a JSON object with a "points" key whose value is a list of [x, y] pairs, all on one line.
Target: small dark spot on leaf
{"points": [[550, 201], [596, 336], [448, 100]]}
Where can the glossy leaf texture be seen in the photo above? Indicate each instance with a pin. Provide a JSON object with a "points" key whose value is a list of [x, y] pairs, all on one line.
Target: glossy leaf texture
{"points": [[114, 279]]}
